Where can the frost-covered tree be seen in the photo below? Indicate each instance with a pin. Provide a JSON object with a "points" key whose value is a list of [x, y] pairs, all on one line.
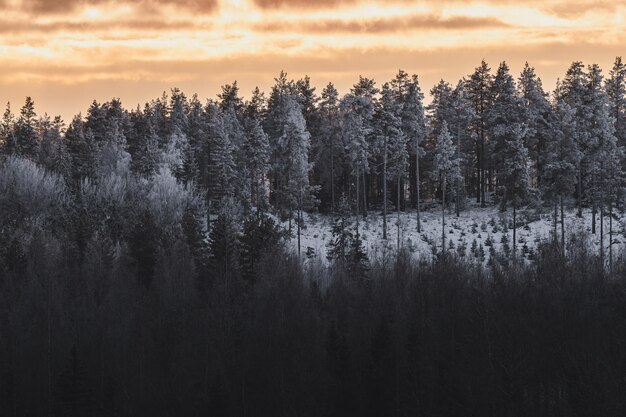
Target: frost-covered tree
{"points": [[329, 154], [514, 185], [573, 90], [111, 154], [410, 96], [394, 148], [606, 178], [221, 163], [391, 143], [479, 91], [24, 139], [536, 114], [6, 130], [560, 155], [256, 151], [461, 129], [446, 170], [616, 90], [503, 116], [355, 132], [294, 169]]}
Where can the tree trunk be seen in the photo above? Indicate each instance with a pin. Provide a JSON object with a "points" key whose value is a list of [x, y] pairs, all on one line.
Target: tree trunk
{"points": [[514, 231], [611, 237], [299, 219], [482, 166], [385, 191], [593, 219], [417, 182], [398, 212], [332, 175], [580, 191], [562, 226], [602, 235], [443, 215], [357, 199], [458, 158], [556, 238], [364, 196]]}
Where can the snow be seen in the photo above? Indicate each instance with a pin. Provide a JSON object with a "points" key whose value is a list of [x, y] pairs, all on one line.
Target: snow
{"points": [[485, 225]]}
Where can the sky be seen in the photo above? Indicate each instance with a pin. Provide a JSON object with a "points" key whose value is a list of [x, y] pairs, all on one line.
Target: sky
{"points": [[66, 53]]}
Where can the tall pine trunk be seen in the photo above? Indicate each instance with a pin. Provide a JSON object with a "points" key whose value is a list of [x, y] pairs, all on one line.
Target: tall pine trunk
{"points": [[364, 196], [602, 235], [555, 222], [514, 230], [398, 212], [332, 175], [458, 158], [611, 237], [562, 225], [580, 191], [443, 215], [417, 181], [385, 191], [299, 220]]}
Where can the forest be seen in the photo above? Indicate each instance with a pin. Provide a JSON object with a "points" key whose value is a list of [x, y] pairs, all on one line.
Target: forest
{"points": [[151, 259]]}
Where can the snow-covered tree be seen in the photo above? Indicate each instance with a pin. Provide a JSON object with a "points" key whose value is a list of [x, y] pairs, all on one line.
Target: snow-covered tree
{"points": [[503, 116], [479, 90], [514, 185], [410, 97], [354, 133], [294, 145], [572, 90], [559, 159], [536, 114], [392, 146], [446, 170], [256, 151], [329, 154], [616, 90]]}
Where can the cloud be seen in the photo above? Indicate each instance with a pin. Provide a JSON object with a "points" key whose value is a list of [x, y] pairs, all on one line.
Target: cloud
{"points": [[61, 6], [301, 4], [18, 27], [396, 24]]}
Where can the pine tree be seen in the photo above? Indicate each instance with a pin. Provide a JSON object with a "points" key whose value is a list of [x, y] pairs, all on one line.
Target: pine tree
{"points": [[256, 151], [479, 91], [616, 91], [294, 147], [447, 170], [536, 113], [354, 134], [396, 156], [81, 148], [558, 176], [410, 95], [514, 186], [260, 236], [461, 130], [572, 90], [329, 152], [221, 165], [604, 155], [503, 116]]}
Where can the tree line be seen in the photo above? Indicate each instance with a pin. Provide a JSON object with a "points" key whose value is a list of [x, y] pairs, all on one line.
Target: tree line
{"points": [[142, 270]]}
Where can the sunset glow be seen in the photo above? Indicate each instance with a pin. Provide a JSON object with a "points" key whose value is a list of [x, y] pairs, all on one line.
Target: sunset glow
{"points": [[85, 49]]}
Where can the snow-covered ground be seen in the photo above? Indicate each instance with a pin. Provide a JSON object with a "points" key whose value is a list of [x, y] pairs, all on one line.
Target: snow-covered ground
{"points": [[475, 228]]}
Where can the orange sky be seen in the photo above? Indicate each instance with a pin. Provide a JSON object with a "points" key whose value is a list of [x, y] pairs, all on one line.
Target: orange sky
{"points": [[65, 53]]}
